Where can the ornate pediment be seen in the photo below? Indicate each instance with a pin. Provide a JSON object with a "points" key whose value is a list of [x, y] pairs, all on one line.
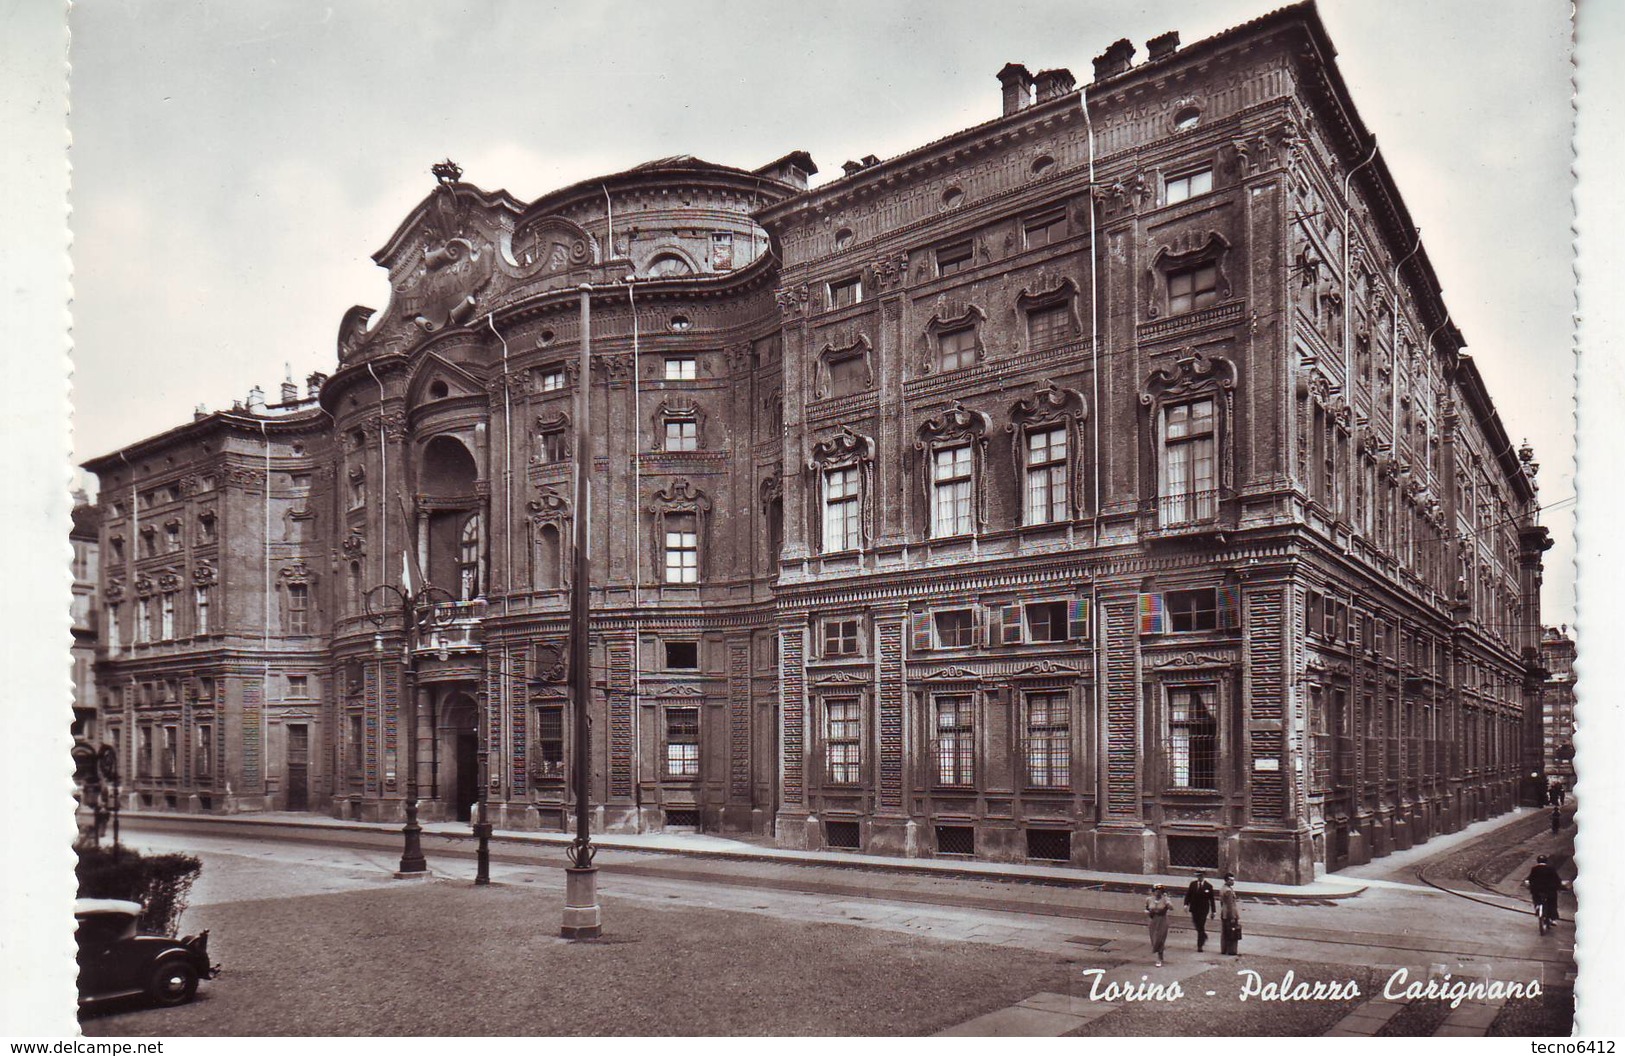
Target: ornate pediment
{"points": [[950, 674], [679, 497], [1049, 402], [204, 574], [844, 446], [449, 265], [842, 678], [955, 422], [1189, 374], [553, 244], [1188, 660], [1046, 667], [353, 331], [548, 505], [298, 572], [674, 690]]}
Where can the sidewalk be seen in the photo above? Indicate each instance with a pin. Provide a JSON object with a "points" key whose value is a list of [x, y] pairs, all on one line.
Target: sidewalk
{"points": [[1327, 887]]}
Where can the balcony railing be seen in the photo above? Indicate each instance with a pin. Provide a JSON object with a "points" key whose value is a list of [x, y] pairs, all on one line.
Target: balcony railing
{"points": [[451, 626]]}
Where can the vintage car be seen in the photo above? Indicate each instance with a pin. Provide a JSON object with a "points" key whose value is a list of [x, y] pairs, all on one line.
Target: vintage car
{"points": [[116, 962]]}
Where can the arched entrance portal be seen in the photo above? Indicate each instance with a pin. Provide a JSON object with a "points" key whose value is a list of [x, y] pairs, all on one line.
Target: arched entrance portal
{"points": [[457, 737]]}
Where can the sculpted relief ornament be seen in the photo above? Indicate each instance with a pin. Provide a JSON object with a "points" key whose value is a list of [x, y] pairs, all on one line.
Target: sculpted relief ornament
{"points": [[452, 270]]}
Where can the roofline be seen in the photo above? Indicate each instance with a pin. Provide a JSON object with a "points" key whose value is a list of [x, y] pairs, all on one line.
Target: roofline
{"points": [[1478, 399], [553, 201], [212, 422]]}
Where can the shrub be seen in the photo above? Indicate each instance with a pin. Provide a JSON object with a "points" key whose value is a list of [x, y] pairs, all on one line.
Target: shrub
{"points": [[160, 882]]}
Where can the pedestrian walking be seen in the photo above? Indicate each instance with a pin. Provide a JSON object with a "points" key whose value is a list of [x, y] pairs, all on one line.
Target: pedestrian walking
{"points": [[1199, 900], [1551, 793], [1229, 917], [1557, 819], [1562, 791], [1156, 909]]}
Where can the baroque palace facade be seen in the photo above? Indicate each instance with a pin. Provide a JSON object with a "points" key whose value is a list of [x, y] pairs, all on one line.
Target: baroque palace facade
{"points": [[1101, 484]]}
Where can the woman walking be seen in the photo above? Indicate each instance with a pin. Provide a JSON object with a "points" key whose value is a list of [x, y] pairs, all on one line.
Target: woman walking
{"points": [[1156, 908]]}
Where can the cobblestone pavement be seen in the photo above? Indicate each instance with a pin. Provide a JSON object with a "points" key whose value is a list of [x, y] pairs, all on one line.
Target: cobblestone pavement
{"points": [[320, 939]]}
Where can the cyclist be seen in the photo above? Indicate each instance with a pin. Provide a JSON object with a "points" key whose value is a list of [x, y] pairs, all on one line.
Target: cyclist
{"points": [[1544, 884]]}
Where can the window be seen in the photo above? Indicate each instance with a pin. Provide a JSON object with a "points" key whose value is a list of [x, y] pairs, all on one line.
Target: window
{"points": [[143, 751], [203, 764], [1050, 325], [205, 527], [682, 656], [1189, 464], [1045, 229], [549, 743], [358, 489], [1187, 119], [955, 740], [1045, 498], [1192, 737], [841, 637], [1189, 185], [468, 560], [357, 758], [682, 548], [1049, 621], [722, 250], [845, 292], [1195, 287], [113, 629], [848, 374], [298, 608], [551, 446], [953, 259], [167, 758], [1049, 740], [843, 740], [166, 617], [551, 380], [956, 348], [682, 742], [298, 685], [668, 264], [172, 537], [841, 510], [681, 368], [143, 620], [1192, 610], [117, 545], [951, 505], [682, 434], [149, 545], [955, 628], [205, 689]]}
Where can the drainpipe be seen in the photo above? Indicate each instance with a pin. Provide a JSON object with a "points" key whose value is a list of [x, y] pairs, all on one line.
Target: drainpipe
{"points": [[1348, 181], [265, 630]]}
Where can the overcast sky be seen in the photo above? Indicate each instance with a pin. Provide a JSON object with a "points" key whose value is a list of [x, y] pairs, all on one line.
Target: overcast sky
{"points": [[235, 165]]}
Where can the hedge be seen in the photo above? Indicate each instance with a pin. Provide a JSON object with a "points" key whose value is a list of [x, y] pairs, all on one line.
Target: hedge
{"points": [[160, 882]]}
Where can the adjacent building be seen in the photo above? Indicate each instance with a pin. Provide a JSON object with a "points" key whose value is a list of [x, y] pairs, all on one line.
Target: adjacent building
{"points": [[1103, 484], [1557, 706], [85, 537]]}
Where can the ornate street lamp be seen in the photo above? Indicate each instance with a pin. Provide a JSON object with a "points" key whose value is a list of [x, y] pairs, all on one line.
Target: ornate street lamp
{"points": [[424, 601], [582, 916]]}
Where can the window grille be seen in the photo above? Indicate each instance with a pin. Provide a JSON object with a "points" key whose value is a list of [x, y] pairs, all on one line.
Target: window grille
{"points": [[955, 740], [1049, 845], [843, 740], [549, 743], [1192, 753], [956, 839], [1049, 740], [1193, 852], [682, 819], [842, 835], [682, 742]]}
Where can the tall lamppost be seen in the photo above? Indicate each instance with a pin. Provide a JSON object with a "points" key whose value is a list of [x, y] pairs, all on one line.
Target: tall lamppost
{"points": [[582, 916], [424, 600]]}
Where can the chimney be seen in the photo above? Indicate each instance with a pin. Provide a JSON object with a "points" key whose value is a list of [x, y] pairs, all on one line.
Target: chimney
{"points": [[1018, 87], [256, 399], [1052, 84], [290, 391], [867, 160], [1115, 60], [1163, 46], [852, 166], [314, 383], [793, 168], [199, 413]]}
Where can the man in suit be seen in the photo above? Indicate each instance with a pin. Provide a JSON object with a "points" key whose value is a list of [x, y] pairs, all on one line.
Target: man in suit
{"points": [[1229, 917], [1199, 900]]}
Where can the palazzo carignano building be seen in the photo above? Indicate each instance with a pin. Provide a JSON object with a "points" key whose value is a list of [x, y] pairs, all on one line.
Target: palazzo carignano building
{"points": [[1103, 484]]}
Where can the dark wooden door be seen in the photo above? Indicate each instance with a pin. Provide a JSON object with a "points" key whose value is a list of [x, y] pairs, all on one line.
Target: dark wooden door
{"points": [[298, 767], [468, 774]]}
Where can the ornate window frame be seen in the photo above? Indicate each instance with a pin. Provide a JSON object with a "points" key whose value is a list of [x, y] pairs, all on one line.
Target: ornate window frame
{"points": [[844, 688], [1049, 406], [1191, 377], [678, 408], [1187, 253], [842, 450], [858, 347], [680, 498], [550, 511], [946, 320], [954, 426], [1048, 291], [551, 425]]}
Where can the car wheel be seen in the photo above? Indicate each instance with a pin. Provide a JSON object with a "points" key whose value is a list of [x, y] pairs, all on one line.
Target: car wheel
{"points": [[173, 983]]}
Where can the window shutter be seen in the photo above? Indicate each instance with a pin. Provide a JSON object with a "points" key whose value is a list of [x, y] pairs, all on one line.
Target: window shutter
{"points": [[919, 629], [1230, 607], [1077, 618], [1007, 625], [1151, 615]]}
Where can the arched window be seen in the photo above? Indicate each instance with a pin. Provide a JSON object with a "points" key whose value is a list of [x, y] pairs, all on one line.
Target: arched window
{"points": [[468, 559]]}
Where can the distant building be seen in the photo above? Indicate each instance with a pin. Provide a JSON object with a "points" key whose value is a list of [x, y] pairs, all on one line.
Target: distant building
{"points": [[1557, 705], [85, 539], [1103, 484]]}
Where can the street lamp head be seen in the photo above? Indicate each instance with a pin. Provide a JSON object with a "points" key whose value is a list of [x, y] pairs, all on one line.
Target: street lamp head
{"points": [[378, 643]]}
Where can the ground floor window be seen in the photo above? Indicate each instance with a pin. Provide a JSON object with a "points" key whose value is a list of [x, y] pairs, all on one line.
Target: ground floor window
{"points": [[955, 739], [357, 755], [204, 762], [1193, 735], [1049, 739], [682, 742], [549, 743], [843, 742]]}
